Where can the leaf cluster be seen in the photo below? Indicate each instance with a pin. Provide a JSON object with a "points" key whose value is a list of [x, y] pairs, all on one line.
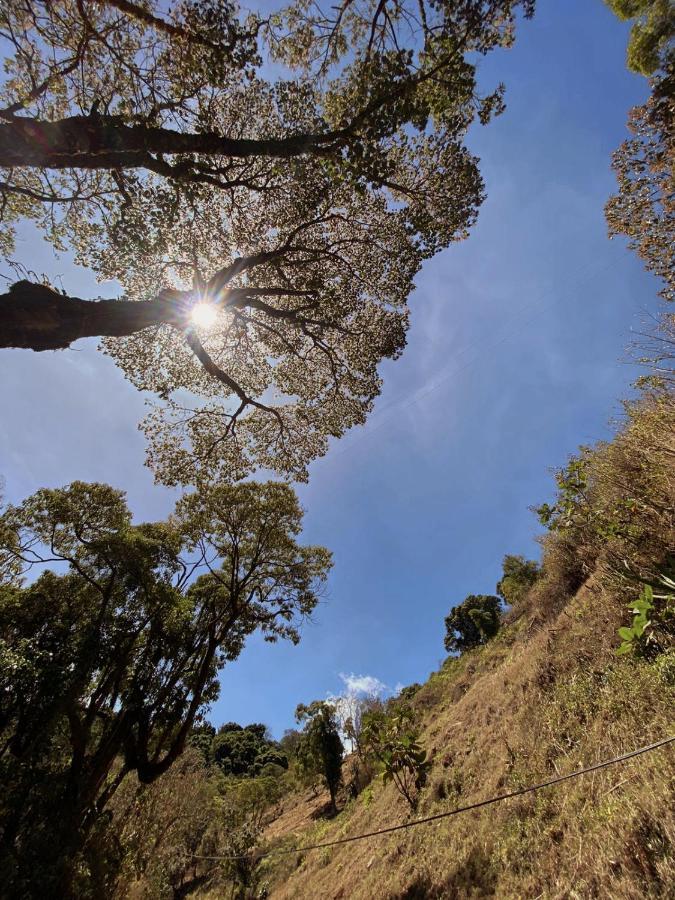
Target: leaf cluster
{"points": [[392, 739]]}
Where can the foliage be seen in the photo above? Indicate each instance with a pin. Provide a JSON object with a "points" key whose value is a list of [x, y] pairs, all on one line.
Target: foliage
{"points": [[472, 622], [162, 830], [614, 500], [392, 740], [157, 828], [150, 141], [613, 512], [406, 693], [200, 738], [117, 657], [643, 209], [238, 750], [652, 622], [650, 46], [518, 576], [320, 751]]}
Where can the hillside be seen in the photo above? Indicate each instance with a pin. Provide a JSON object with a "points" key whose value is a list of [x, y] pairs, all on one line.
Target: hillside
{"points": [[537, 701], [548, 695]]}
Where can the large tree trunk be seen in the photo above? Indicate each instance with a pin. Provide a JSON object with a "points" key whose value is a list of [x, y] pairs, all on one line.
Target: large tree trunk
{"points": [[36, 317]]}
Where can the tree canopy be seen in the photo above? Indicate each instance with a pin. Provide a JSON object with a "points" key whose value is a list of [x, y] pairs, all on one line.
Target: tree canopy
{"points": [[299, 207], [106, 666], [650, 46], [472, 622], [245, 750], [643, 209]]}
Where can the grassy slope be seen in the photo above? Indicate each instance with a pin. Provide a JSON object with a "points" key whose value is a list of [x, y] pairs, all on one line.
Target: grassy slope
{"points": [[538, 700]]}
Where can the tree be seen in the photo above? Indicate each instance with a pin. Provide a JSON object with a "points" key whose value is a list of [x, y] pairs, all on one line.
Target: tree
{"points": [[320, 751], [393, 741], [472, 622], [518, 576], [107, 664], [650, 44], [245, 751], [643, 210], [293, 213]]}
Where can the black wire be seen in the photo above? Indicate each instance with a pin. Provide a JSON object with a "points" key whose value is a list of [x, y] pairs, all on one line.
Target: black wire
{"points": [[452, 812]]}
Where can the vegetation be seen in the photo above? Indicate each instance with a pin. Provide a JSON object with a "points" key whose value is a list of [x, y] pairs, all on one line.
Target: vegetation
{"points": [[320, 749], [393, 741], [518, 576], [246, 751], [266, 231], [643, 209], [472, 623], [298, 210], [107, 666], [650, 46], [547, 694]]}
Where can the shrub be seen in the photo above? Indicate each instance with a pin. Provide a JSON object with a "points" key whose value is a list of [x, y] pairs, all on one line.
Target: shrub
{"points": [[393, 742], [518, 576]]}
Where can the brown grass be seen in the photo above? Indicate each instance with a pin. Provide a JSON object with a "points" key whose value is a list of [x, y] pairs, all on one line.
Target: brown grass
{"points": [[532, 703]]}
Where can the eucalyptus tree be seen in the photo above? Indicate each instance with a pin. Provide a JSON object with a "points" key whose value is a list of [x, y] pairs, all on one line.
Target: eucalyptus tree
{"points": [[107, 662], [264, 189]]}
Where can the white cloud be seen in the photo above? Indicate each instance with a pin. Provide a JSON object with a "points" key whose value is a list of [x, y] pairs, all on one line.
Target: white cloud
{"points": [[364, 685]]}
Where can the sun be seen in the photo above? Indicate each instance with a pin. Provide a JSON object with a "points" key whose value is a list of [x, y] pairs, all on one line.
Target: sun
{"points": [[204, 314]]}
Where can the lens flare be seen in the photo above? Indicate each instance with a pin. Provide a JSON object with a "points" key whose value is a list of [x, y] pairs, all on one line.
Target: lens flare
{"points": [[204, 314]]}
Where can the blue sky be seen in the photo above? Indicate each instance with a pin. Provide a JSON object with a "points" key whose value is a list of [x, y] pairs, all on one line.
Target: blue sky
{"points": [[516, 355]]}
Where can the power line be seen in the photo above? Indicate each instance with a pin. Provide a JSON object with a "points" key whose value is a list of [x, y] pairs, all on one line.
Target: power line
{"points": [[454, 812]]}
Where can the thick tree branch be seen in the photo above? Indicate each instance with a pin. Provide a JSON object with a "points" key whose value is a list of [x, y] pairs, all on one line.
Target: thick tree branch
{"points": [[36, 317], [104, 142]]}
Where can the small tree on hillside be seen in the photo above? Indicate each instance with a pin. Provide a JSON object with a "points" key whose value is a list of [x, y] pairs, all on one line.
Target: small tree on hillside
{"points": [[245, 751], [519, 575], [472, 623], [393, 741], [320, 751]]}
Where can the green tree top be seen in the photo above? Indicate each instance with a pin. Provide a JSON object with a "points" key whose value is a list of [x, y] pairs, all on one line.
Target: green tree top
{"points": [[650, 46], [518, 576]]}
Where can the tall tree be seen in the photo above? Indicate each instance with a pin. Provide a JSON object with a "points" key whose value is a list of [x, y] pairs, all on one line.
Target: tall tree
{"points": [[320, 750], [294, 213], [106, 666]]}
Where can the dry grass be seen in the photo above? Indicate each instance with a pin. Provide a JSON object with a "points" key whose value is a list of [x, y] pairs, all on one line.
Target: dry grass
{"points": [[534, 702]]}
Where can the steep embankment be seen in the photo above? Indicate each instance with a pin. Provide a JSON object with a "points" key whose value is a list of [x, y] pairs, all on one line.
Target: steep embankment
{"points": [[542, 698]]}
